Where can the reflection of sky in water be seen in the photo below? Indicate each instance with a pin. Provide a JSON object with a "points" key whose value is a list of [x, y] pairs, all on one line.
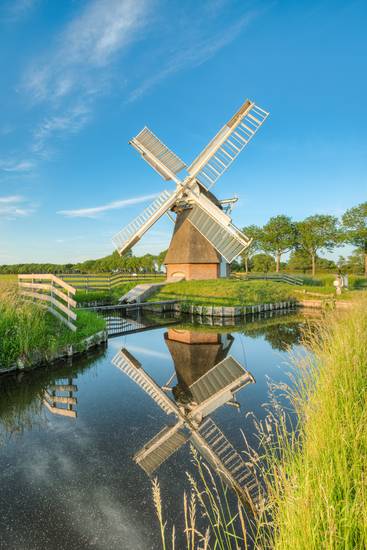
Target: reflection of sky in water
{"points": [[72, 483]]}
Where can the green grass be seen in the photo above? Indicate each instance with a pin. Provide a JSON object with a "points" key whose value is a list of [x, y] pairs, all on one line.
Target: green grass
{"points": [[318, 487], [234, 292], [110, 296], [31, 334], [225, 292]]}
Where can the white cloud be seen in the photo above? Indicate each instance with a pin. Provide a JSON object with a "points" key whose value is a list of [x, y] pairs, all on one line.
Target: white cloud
{"points": [[76, 68], [11, 199], [14, 166], [90, 41], [14, 206], [94, 211], [59, 125], [196, 52]]}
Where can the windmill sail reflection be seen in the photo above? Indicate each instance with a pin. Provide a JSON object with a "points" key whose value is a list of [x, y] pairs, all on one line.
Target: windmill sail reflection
{"points": [[207, 378]]}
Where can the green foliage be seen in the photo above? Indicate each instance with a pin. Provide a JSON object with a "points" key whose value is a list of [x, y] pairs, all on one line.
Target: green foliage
{"points": [[278, 236], [355, 229], [114, 262], [252, 232], [262, 263], [316, 233], [300, 260]]}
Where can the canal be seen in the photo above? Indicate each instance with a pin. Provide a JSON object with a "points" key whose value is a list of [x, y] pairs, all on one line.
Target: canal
{"points": [[81, 441]]}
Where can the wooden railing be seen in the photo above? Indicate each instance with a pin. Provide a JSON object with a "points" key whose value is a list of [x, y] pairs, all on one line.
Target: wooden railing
{"points": [[280, 278], [104, 281], [51, 292]]}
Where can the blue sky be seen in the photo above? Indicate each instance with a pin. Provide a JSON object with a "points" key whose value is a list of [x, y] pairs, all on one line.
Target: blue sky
{"points": [[80, 78]]}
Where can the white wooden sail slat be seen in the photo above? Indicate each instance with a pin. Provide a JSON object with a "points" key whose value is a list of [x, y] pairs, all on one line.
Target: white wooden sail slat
{"points": [[133, 232], [157, 154], [254, 118], [127, 364], [230, 139], [226, 239]]}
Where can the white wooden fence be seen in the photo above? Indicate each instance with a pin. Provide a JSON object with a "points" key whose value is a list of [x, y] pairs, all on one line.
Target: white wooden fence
{"points": [[53, 293]]}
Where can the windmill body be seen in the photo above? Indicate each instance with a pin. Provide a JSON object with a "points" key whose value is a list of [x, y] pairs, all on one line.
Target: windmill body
{"points": [[204, 240]]}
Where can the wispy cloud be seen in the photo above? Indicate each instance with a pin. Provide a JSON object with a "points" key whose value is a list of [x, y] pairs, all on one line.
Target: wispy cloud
{"points": [[76, 70], [90, 41], [194, 53], [16, 166], [14, 206], [95, 211], [60, 125]]}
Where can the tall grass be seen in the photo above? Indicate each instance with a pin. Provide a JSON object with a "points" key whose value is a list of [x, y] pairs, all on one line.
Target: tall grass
{"points": [[318, 483], [314, 472], [28, 333]]}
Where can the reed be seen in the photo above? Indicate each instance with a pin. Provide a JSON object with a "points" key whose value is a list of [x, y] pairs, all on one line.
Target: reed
{"points": [[316, 480]]}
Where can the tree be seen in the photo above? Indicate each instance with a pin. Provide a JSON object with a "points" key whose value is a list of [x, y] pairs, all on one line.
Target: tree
{"points": [[316, 233], [356, 262], [278, 236], [253, 232], [299, 260], [355, 226], [263, 263]]}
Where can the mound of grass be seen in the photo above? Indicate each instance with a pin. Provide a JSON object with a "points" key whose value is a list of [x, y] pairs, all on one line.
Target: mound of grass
{"points": [[28, 331], [110, 296], [225, 292]]}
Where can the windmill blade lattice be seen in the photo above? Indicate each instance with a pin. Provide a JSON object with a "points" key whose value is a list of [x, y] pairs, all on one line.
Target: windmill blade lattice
{"points": [[157, 154], [132, 233], [224, 148], [226, 238]]}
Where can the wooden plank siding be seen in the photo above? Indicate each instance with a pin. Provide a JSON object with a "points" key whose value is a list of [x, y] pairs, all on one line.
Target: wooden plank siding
{"points": [[53, 293]]}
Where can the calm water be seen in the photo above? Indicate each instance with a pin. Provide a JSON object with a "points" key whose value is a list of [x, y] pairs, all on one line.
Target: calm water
{"points": [[72, 456]]}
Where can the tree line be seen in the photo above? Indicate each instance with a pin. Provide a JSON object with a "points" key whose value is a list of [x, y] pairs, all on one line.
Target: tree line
{"points": [[128, 263], [280, 235], [306, 238]]}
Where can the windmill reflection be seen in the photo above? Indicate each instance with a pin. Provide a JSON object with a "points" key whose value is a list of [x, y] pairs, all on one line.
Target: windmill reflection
{"points": [[207, 378]]}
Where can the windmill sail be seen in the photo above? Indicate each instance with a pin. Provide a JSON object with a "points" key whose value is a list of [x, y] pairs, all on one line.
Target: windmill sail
{"points": [[220, 453], [127, 363], [132, 233], [217, 227], [158, 155], [227, 144], [218, 385], [161, 447]]}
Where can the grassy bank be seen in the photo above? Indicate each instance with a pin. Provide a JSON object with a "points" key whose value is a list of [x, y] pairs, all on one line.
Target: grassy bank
{"points": [[234, 292], [318, 493], [111, 296], [28, 331], [314, 473], [225, 292]]}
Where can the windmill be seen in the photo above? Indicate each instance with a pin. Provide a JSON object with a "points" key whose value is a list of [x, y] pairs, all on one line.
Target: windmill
{"points": [[204, 239]]}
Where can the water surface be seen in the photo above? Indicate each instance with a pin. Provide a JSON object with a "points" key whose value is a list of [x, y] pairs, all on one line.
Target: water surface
{"points": [[79, 441]]}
